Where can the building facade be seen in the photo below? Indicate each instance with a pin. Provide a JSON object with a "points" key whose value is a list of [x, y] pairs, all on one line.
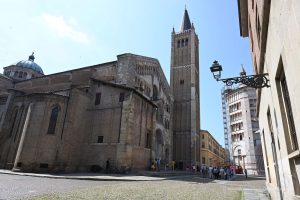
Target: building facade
{"points": [[273, 28], [77, 120], [212, 153], [122, 111], [185, 89], [245, 143]]}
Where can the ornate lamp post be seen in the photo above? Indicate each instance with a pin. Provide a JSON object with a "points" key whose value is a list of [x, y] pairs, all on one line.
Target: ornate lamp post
{"points": [[255, 81]]}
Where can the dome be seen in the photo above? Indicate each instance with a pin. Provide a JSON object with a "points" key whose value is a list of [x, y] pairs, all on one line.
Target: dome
{"points": [[30, 64]]}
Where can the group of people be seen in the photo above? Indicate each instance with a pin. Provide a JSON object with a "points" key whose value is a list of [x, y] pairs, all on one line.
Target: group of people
{"points": [[212, 172], [156, 165], [216, 172]]}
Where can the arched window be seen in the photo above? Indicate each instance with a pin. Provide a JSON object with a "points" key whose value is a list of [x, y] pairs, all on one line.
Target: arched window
{"points": [[178, 43], [25, 74], [16, 74], [7, 72], [182, 43], [53, 120], [155, 93], [186, 42], [98, 98], [20, 74], [148, 140]]}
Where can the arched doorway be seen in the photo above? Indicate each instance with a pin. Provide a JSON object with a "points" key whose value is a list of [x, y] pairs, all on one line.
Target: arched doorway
{"points": [[159, 144]]}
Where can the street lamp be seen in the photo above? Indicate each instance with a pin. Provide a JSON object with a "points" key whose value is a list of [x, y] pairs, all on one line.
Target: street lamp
{"points": [[255, 81], [216, 69]]}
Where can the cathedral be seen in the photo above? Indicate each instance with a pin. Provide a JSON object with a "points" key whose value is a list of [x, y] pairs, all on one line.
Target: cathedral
{"points": [[123, 111]]}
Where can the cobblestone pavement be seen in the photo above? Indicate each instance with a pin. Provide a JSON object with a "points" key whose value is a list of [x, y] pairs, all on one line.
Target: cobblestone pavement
{"points": [[180, 187], [18, 187], [254, 188]]}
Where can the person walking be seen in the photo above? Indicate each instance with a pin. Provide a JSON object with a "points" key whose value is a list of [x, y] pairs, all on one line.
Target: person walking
{"points": [[173, 165], [210, 172], [203, 170], [245, 171], [222, 173], [107, 167], [158, 164], [225, 173]]}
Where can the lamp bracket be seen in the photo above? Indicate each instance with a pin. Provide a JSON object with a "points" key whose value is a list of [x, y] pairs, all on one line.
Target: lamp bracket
{"points": [[255, 81]]}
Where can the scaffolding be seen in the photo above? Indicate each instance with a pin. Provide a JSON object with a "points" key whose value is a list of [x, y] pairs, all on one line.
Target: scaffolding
{"points": [[227, 134]]}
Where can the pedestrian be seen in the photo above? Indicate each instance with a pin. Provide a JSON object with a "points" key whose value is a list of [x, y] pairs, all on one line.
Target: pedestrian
{"points": [[187, 168], [107, 167], [166, 167], [222, 173], [218, 172], [228, 173], [245, 171], [215, 172], [194, 168], [210, 172], [225, 173], [153, 166], [203, 170], [158, 164], [173, 164]]}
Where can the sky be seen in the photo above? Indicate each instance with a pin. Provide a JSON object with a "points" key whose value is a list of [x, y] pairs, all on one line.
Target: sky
{"points": [[71, 34]]}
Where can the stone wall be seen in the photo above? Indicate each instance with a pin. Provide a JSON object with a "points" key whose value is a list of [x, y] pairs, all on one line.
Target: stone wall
{"points": [[100, 118]]}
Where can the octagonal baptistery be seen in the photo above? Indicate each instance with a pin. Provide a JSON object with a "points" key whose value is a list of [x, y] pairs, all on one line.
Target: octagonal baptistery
{"points": [[24, 69]]}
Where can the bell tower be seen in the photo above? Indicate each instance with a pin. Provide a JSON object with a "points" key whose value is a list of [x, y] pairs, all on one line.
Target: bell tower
{"points": [[185, 89]]}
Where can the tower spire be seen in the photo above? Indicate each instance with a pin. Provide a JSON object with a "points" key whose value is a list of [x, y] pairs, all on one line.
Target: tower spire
{"points": [[243, 72], [186, 23]]}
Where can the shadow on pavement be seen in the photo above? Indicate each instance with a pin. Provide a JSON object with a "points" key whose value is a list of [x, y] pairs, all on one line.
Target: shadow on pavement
{"points": [[240, 177]]}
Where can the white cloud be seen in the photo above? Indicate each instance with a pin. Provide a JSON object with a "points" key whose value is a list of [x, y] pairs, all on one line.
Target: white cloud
{"points": [[73, 21], [64, 29]]}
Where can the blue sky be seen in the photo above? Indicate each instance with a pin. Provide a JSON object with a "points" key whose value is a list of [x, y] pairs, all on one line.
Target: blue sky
{"points": [[73, 33]]}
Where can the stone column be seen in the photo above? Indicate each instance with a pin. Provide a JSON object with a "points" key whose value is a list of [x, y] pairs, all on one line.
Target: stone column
{"points": [[21, 144]]}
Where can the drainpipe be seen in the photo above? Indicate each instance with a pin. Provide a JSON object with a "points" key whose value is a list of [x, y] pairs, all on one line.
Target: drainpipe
{"points": [[21, 144]]}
